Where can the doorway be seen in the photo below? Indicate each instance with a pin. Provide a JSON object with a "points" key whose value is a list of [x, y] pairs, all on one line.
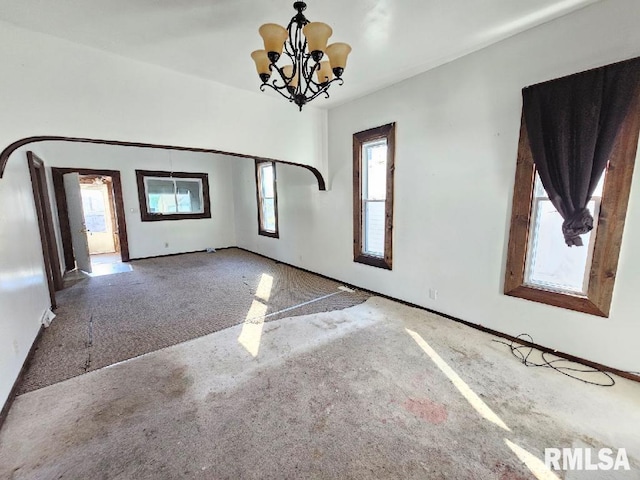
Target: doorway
{"points": [[98, 208], [91, 215]]}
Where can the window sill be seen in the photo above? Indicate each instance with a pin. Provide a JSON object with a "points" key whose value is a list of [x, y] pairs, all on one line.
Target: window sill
{"points": [[576, 302], [373, 261], [265, 233], [159, 217]]}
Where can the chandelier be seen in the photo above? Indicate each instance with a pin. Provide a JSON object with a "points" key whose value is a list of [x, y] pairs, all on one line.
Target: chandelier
{"points": [[305, 46]]}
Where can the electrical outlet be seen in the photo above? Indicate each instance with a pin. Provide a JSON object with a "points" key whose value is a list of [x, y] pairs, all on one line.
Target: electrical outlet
{"points": [[433, 294]]}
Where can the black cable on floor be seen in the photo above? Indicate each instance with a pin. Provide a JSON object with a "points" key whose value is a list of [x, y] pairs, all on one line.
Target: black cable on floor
{"points": [[517, 351]]}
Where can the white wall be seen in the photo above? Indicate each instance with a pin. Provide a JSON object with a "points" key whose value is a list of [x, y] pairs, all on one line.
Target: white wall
{"points": [[24, 294], [147, 239], [51, 86], [54, 87], [457, 137], [457, 140]]}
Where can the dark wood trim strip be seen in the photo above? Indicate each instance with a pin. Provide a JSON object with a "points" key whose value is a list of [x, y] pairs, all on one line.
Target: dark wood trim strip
{"points": [[63, 215], [14, 390], [63, 219], [145, 216], [4, 155], [171, 254], [566, 356], [259, 199], [45, 223], [372, 261], [217, 249]]}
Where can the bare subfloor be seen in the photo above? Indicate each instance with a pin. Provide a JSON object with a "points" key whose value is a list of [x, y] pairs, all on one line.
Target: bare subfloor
{"points": [[378, 390]]}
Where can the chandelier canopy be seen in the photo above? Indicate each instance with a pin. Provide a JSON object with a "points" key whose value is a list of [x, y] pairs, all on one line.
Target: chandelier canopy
{"points": [[305, 47]]}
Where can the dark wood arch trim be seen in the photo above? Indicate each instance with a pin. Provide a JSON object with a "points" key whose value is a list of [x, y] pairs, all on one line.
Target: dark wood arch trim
{"points": [[4, 156], [63, 216]]}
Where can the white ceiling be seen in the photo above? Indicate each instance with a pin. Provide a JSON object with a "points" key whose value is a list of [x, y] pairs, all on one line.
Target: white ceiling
{"points": [[391, 39]]}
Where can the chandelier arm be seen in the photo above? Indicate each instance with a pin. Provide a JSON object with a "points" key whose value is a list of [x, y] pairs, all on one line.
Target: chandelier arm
{"points": [[300, 64], [291, 57], [277, 89], [313, 85], [307, 72], [288, 46], [283, 77], [325, 88]]}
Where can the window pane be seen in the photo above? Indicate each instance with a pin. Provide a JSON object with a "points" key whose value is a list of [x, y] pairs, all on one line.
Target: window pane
{"points": [[159, 186], [600, 186], [94, 210], [188, 194], [375, 170], [266, 176], [161, 195], [269, 214], [373, 226], [267, 202], [539, 191], [551, 263]]}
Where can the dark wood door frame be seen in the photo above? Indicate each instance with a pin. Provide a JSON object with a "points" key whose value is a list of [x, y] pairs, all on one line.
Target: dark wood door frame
{"points": [[45, 225], [63, 213]]}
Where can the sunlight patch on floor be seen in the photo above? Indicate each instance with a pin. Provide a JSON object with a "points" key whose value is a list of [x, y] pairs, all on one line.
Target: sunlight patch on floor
{"points": [[263, 292], [251, 333], [475, 401], [533, 463]]}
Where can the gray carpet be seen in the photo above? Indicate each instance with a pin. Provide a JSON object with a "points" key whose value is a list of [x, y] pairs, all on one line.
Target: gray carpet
{"points": [[164, 301]]}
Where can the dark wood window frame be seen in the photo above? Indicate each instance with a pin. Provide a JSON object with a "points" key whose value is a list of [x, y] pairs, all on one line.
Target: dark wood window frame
{"points": [[387, 132], [613, 210], [145, 216], [261, 229]]}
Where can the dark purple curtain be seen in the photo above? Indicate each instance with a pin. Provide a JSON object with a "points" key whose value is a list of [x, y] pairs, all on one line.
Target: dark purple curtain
{"points": [[572, 124]]}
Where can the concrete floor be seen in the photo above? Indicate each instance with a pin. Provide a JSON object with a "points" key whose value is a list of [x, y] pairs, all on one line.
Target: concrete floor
{"points": [[379, 390], [108, 264]]}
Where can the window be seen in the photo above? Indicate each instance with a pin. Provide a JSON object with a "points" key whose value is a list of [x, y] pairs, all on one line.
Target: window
{"points": [[267, 198], [93, 206], [373, 167], [173, 195], [576, 278], [550, 264]]}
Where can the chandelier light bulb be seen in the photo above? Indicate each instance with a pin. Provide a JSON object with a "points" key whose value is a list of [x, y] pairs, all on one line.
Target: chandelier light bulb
{"points": [[274, 37], [263, 65], [338, 53], [317, 35], [324, 72]]}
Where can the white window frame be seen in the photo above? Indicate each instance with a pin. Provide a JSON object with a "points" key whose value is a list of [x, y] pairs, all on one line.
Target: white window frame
{"points": [[364, 168], [260, 196], [175, 193], [533, 225]]}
